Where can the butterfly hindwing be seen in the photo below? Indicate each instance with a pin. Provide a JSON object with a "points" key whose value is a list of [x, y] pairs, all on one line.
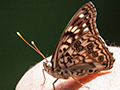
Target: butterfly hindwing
{"points": [[87, 55]]}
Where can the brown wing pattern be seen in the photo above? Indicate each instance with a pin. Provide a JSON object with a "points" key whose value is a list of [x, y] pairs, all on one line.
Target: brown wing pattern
{"points": [[87, 55], [67, 54], [85, 15]]}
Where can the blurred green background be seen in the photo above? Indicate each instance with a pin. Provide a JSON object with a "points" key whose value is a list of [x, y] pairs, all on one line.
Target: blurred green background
{"points": [[44, 21]]}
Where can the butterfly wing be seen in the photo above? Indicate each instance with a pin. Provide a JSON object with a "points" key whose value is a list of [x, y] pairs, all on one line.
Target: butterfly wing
{"points": [[79, 31], [82, 22]]}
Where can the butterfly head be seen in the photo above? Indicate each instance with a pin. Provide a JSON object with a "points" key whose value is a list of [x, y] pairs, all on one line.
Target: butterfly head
{"points": [[47, 66]]}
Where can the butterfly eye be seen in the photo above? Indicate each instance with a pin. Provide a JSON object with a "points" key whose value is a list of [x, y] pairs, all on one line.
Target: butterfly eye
{"points": [[95, 54], [90, 46], [77, 44], [79, 48], [100, 58]]}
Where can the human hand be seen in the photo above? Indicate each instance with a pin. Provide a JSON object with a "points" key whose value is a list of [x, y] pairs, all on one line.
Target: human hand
{"points": [[105, 80]]}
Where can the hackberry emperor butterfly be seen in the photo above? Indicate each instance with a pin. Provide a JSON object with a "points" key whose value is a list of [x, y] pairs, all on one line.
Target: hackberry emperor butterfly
{"points": [[80, 51]]}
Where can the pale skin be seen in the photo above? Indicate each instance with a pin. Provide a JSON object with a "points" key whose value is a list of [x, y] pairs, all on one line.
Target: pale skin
{"points": [[105, 80]]}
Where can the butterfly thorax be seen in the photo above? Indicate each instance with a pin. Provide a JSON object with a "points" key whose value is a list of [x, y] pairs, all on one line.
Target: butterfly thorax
{"points": [[55, 72]]}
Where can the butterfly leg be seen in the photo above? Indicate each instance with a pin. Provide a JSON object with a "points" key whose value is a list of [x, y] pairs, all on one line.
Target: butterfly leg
{"points": [[54, 83], [78, 81], [44, 76]]}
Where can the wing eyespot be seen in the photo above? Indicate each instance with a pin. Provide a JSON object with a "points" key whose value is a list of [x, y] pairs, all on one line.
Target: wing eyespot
{"points": [[77, 44], [90, 51], [90, 46], [79, 48], [95, 54], [100, 58]]}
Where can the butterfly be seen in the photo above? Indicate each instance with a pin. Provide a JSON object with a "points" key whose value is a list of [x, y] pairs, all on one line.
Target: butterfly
{"points": [[80, 51]]}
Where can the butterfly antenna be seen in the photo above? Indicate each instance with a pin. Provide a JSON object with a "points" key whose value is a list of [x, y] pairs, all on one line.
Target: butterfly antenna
{"points": [[33, 47]]}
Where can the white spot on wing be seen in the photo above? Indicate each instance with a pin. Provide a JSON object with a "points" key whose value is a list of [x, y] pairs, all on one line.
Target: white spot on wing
{"points": [[81, 15], [86, 29], [70, 28], [74, 29], [87, 17], [77, 31], [84, 25]]}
